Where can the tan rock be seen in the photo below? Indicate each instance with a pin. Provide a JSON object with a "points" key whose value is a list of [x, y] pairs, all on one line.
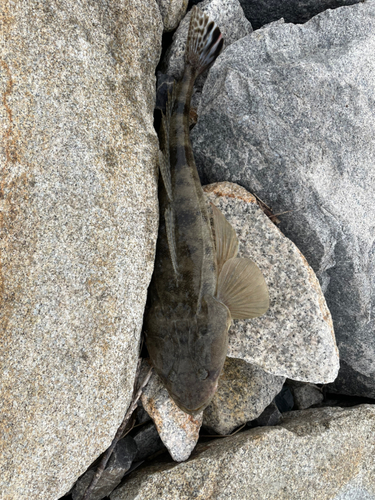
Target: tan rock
{"points": [[78, 228]]}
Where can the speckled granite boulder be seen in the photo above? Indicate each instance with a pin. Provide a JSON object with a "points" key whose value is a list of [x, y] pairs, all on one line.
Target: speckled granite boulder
{"points": [[244, 392], [79, 224], [287, 112], [172, 11], [325, 454], [295, 338]]}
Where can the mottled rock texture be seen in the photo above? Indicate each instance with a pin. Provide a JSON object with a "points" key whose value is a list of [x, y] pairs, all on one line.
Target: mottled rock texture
{"points": [[78, 228], [287, 112], [325, 454], [172, 11], [178, 430], [295, 337], [244, 392]]}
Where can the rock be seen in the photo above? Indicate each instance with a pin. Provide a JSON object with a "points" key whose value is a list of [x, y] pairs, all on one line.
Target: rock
{"points": [[260, 12], [172, 12], [148, 442], [318, 453], [270, 416], [244, 392], [178, 430], [79, 225], [295, 337], [233, 25], [285, 114], [284, 400], [120, 461], [305, 395]]}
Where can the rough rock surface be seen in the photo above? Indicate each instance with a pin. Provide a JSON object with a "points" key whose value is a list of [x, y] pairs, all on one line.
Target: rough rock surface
{"points": [[78, 229], [260, 12], [148, 442], [244, 392], [178, 430], [295, 337], [120, 462], [287, 112], [320, 453], [305, 395], [172, 12]]}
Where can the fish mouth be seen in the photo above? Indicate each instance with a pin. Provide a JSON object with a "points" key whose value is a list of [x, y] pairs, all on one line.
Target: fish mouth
{"points": [[192, 411]]}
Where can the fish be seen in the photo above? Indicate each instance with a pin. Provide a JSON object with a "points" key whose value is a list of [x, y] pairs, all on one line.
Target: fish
{"points": [[199, 284]]}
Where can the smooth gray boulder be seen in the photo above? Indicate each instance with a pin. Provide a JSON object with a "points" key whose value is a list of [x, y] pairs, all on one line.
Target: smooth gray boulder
{"points": [[288, 112], [244, 392], [324, 453], [79, 226], [295, 337]]}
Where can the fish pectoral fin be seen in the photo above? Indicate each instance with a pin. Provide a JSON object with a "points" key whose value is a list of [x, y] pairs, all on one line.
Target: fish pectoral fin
{"points": [[242, 288], [170, 230], [226, 241]]}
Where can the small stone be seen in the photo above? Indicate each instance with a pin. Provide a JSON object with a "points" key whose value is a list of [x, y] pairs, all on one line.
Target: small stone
{"points": [[172, 11], [305, 395], [148, 442], [284, 400], [270, 416], [243, 393], [120, 462], [178, 430]]}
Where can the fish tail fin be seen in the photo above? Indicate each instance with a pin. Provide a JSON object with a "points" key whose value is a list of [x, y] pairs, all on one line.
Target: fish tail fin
{"points": [[204, 41]]}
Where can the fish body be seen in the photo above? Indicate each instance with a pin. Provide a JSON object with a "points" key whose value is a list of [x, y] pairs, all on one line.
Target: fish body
{"points": [[190, 306]]}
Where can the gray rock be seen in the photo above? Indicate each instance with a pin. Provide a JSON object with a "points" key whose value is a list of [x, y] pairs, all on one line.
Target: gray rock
{"points": [[244, 392], [260, 12], [233, 25], [270, 416], [120, 462], [295, 337], [178, 430], [79, 224], [172, 11], [318, 453], [285, 113], [305, 395], [148, 442]]}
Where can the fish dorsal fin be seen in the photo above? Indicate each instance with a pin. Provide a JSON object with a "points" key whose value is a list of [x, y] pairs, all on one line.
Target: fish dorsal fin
{"points": [[226, 241], [164, 159], [204, 41], [170, 230], [242, 288]]}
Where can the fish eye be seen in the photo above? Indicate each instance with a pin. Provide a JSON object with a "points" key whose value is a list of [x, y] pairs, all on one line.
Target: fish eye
{"points": [[202, 374]]}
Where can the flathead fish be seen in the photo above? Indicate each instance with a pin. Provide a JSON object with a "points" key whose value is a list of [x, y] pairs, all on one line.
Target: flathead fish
{"points": [[199, 284]]}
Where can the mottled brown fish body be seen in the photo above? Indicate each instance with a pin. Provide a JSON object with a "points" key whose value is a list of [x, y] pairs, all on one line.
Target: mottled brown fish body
{"points": [[186, 323]]}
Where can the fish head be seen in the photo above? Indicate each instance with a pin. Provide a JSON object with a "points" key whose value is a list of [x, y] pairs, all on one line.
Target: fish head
{"points": [[192, 356]]}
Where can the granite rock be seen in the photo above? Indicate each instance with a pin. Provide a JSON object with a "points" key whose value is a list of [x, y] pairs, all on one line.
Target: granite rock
{"points": [[148, 442], [79, 220], [305, 395], [178, 430], [287, 112], [260, 12], [172, 12], [318, 453], [120, 462], [295, 338], [269, 416], [244, 392]]}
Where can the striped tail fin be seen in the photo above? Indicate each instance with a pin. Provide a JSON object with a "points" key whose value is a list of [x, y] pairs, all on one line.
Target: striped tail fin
{"points": [[204, 41]]}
